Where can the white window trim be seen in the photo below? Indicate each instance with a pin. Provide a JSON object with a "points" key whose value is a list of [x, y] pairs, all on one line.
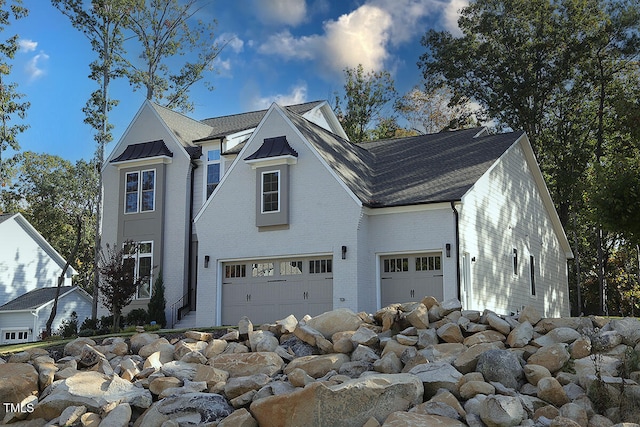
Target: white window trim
{"points": [[139, 191], [262, 174], [533, 276], [16, 340], [208, 162], [136, 272]]}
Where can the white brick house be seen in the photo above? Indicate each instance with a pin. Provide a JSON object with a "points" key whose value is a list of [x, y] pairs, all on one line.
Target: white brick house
{"points": [[304, 221]]}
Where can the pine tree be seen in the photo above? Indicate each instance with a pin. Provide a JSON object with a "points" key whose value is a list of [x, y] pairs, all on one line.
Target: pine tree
{"points": [[157, 302]]}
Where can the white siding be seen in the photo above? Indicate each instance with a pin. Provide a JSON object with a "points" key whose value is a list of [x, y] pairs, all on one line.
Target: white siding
{"points": [[66, 305], [503, 211], [24, 264], [323, 218]]}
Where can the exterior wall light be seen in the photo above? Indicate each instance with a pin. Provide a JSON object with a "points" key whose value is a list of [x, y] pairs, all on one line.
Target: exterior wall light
{"points": [[448, 249], [344, 252], [206, 261]]}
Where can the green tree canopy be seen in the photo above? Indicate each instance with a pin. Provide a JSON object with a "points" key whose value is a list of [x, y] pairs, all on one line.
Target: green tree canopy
{"points": [[366, 94], [10, 105]]}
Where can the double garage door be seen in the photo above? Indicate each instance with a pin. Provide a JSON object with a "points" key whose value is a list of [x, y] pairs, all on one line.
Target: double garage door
{"points": [[270, 290], [410, 277]]}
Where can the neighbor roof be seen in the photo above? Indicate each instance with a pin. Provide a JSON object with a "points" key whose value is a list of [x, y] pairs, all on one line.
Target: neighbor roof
{"points": [[432, 168], [34, 299], [227, 125]]}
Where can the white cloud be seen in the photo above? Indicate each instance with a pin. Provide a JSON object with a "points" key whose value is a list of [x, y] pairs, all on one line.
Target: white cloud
{"points": [[452, 13], [26, 45], [288, 12], [298, 95], [284, 44], [33, 68], [231, 40], [365, 35]]}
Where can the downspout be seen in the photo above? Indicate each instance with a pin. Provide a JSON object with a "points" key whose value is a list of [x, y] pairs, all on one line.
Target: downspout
{"points": [[194, 166], [457, 231]]}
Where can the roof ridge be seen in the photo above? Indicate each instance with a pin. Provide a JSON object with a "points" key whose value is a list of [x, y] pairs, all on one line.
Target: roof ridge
{"points": [[262, 110]]}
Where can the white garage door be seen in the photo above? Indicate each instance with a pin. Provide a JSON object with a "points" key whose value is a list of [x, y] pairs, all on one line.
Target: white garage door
{"points": [[410, 277], [270, 290]]}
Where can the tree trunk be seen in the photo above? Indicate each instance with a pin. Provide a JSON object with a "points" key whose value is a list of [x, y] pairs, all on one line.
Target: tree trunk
{"points": [[54, 309]]}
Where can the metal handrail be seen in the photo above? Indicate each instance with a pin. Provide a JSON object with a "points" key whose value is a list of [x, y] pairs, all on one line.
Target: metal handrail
{"points": [[176, 309]]}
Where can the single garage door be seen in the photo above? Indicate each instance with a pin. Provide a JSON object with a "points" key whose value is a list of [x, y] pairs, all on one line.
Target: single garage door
{"points": [[270, 290], [410, 277]]}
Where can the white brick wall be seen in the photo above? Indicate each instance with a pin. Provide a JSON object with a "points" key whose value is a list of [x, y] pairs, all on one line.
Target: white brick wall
{"points": [[323, 218]]}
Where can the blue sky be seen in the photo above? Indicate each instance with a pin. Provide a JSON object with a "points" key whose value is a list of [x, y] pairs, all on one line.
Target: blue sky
{"points": [[288, 51]]}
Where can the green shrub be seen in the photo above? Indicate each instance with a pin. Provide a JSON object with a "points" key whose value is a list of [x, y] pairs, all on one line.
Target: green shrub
{"points": [[157, 303], [90, 323], [69, 327], [87, 332], [136, 317], [151, 328]]}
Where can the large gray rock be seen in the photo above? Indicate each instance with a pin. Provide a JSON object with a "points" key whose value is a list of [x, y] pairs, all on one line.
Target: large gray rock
{"points": [[338, 320], [520, 335], [349, 404], [435, 376], [557, 335], [501, 366], [318, 366], [244, 364], [501, 411], [411, 419], [17, 381], [91, 389], [553, 357], [187, 409]]}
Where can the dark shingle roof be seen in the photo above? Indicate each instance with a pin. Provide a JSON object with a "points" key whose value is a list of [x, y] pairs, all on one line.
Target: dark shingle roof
{"points": [[4, 217], [226, 125], [424, 169], [273, 147], [34, 299], [143, 150]]}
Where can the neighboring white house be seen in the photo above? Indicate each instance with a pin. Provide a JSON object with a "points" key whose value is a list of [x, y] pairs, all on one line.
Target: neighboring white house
{"points": [[304, 221], [156, 179], [27, 260], [25, 318]]}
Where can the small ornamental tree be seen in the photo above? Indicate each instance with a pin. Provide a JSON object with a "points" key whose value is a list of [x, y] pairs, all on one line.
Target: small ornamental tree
{"points": [[157, 303], [118, 282]]}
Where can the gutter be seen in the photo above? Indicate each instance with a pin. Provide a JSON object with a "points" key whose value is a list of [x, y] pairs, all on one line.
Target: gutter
{"points": [[457, 231], [194, 166]]}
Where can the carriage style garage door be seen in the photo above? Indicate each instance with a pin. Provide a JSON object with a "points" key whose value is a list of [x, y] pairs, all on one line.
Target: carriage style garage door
{"points": [[410, 277], [270, 290]]}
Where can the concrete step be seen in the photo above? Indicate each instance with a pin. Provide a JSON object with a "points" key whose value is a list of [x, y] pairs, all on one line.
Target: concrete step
{"points": [[187, 321]]}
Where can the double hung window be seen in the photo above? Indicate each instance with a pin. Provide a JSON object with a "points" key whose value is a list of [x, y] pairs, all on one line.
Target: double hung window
{"points": [[140, 191], [213, 170], [139, 258], [271, 191]]}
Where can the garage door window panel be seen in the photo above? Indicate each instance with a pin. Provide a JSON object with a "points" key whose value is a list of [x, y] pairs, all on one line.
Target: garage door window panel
{"points": [[235, 270], [318, 266], [290, 268], [263, 269]]}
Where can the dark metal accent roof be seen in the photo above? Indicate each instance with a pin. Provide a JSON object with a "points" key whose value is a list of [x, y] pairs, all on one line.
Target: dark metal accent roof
{"points": [[194, 152], [432, 168], [227, 125], [143, 150], [34, 299], [273, 147]]}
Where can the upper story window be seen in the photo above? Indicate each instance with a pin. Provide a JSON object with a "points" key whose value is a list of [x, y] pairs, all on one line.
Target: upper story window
{"points": [[140, 191], [213, 170], [271, 191]]}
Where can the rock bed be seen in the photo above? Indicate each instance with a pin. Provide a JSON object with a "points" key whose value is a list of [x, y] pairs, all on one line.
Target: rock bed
{"points": [[424, 363]]}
